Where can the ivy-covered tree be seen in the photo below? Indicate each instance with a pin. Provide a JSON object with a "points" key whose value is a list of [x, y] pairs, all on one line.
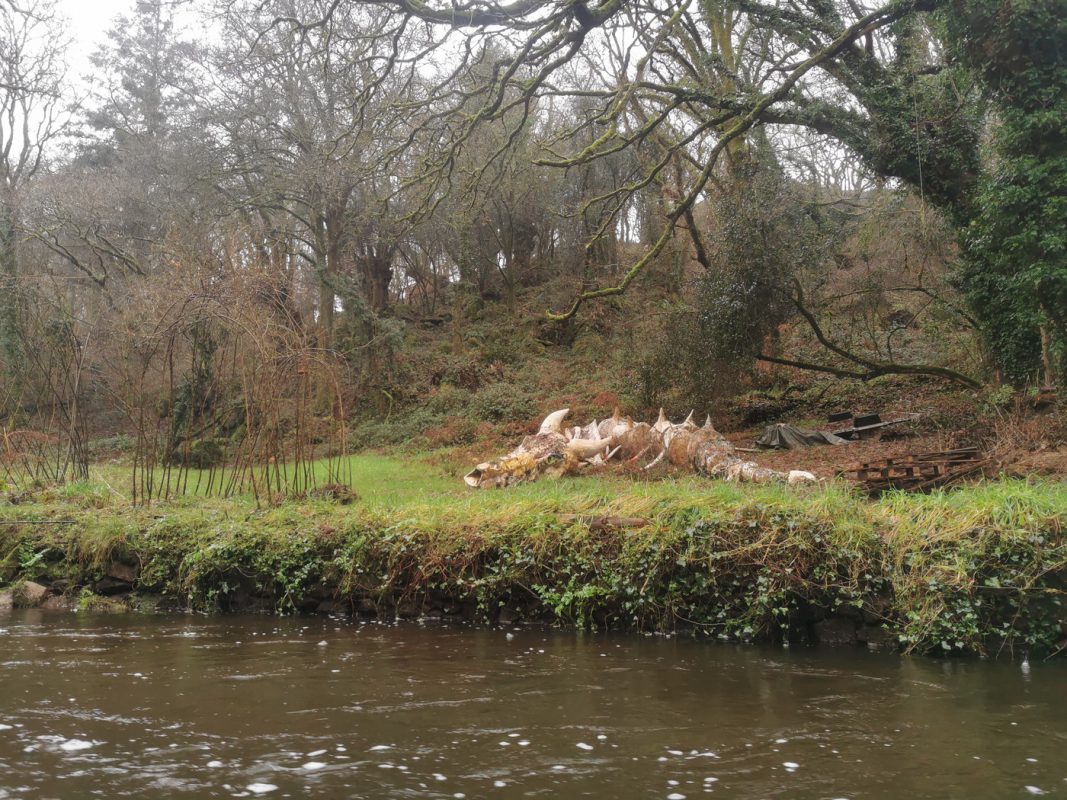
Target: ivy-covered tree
{"points": [[1015, 245]]}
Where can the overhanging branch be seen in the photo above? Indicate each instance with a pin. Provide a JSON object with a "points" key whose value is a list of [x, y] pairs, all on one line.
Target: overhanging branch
{"points": [[871, 369], [871, 22]]}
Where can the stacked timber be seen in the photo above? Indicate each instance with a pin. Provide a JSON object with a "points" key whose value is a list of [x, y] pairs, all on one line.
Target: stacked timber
{"points": [[918, 472]]}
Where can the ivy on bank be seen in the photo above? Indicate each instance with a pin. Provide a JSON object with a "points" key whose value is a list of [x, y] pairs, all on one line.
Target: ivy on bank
{"points": [[936, 575]]}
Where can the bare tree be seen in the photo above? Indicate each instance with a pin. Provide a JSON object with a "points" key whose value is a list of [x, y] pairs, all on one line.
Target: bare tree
{"points": [[34, 113], [305, 134], [695, 79]]}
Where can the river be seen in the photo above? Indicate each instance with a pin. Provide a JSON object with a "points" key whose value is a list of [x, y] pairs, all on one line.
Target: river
{"points": [[198, 707]]}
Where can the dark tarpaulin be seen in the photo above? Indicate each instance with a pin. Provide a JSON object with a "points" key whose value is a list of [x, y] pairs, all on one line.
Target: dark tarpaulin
{"points": [[787, 437]]}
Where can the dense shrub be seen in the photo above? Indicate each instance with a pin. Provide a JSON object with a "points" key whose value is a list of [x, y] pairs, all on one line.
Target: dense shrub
{"points": [[498, 402]]}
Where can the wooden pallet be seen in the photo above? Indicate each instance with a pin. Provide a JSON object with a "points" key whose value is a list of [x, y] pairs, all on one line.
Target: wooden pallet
{"points": [[919, 471]]}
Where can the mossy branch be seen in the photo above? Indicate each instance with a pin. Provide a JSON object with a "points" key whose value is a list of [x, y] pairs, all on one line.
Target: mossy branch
{"points": [[871, 22]]}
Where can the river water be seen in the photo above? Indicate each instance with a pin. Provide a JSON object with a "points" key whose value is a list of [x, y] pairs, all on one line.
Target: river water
{"points": [[186, 706]]}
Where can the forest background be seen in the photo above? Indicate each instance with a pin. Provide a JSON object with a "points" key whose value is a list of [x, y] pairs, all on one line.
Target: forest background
{"points": [[330, 226]]}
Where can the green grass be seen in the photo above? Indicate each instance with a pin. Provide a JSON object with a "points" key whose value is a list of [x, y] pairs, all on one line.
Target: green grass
{"points": [[429, 490], [379, 479], [970, 570]]}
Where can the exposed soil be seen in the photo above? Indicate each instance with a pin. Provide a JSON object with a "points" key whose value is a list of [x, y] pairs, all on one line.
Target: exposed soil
{"points": [[1025, 443]]}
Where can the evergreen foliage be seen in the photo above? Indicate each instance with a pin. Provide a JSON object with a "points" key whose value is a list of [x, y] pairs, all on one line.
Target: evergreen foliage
{"points": [[1016, 245]]}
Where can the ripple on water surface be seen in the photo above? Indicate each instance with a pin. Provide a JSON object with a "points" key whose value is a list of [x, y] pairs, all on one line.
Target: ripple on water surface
{"points": [[192, 707]]}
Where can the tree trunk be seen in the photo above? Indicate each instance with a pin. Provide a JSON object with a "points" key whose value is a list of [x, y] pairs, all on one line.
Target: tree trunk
{"points": [[378, 274], [327, 299], [1046, 356], [10, 334], [328, 271]]}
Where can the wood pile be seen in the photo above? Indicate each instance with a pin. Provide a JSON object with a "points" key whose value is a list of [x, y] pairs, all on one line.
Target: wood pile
{"points": [[919, 472]]}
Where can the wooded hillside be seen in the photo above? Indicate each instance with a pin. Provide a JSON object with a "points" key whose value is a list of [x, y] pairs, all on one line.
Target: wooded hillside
{"points": [[271, 230]]}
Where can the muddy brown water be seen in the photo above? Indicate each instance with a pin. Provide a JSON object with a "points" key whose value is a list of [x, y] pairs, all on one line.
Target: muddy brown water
{"points": [[193, 707]]}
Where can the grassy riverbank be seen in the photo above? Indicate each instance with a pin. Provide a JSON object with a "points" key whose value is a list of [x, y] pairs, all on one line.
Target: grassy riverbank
{"points": [[980, 569]]}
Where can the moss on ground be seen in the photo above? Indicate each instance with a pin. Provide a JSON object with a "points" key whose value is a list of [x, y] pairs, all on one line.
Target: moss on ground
{"points": [[975, 570]]}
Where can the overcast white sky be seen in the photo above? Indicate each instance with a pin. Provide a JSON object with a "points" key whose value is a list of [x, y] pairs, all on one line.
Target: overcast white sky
{"points": [[89, 21]]}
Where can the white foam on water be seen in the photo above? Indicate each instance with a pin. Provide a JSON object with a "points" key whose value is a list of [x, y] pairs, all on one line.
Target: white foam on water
{"points": [[601, 737], [314, 753], [4, 727], [558, 767], [513, 735], [73, 745], [503, 744], [1034, 789], [382, 747], [710, 779], [385, 766], [311, 766], [780, 741], [523, 743], [214, 764], [791, 765], [672, 783], [676, 796], [437, 776], [261, 788], [499, 784], [676, 752], [584, 746]]}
